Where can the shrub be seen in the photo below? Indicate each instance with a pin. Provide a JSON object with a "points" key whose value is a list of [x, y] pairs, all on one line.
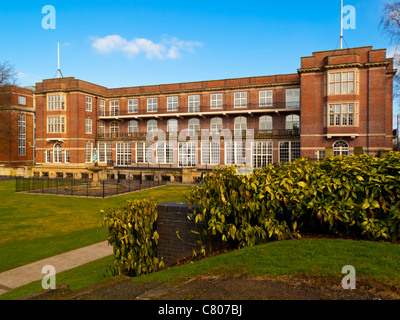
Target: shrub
{"points": [[357, 195], [132, 233]]}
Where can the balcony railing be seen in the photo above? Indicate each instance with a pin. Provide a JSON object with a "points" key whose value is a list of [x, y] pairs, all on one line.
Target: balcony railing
{"points": [[257, 133], [185, 110]]}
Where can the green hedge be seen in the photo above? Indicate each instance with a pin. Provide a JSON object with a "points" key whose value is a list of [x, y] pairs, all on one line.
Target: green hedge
{"points": [[132, 233], [356, 195]]}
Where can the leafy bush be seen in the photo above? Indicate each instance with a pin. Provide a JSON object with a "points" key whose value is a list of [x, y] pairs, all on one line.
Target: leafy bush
{"points": [[132, 233], [357, 195]]}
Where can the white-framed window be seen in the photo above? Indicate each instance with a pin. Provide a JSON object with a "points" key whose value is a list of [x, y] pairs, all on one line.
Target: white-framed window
{"points": [[114, 108], [292, 122], [56, 125], [235, 152], [141, 148], [114, 127], [216, 101], [55, 102], [344, 82], [152, 126], [172, 125], [320, 154], [132, 105], [289, 151], [102, 127], [194, 124], [240, 99], [22, 100], [265, 123], [133, 126], [21, 135], [172, 103], [57, 153], [265, 98], [88, 125], [47, 156], [102, 108], [261, 153], [216, 124], [124, 154], [165, 152], [152, 104], [211, 152], [88, 152], [292, 98], [194, 103], [341, 148], [88, 103], [67, 157], [105, 151], [187, 154], [343, 115], [240, 123]]}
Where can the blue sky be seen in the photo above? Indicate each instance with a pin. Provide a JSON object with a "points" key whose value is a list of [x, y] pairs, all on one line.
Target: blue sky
{"points": [[130, 43]]}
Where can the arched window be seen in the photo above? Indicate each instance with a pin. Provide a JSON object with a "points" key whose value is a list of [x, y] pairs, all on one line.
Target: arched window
{"points": [[57, 153], [133, 126], [114, 127], [152, 126], [194, 124], [172, 125], [216, 124], [341, 148], [292, 122], [265, 123], [240, 123]]}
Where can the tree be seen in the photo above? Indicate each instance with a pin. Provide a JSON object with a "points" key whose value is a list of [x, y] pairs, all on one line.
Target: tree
{"points": [[390, 25], [8, 75], [390, 22]]}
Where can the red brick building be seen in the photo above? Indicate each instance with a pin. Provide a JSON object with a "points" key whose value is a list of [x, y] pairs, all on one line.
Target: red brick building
{"points": [[17, 125], [337, 101]]}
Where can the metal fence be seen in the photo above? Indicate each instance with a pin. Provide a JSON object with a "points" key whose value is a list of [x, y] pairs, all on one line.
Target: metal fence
{"points": [[82, 188]]}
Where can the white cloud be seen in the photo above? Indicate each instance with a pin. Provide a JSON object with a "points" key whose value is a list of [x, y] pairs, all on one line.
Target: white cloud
{"points": [[168, 48]]}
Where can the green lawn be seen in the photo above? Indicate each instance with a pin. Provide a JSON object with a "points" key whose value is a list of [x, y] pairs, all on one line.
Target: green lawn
{"points": [[316, 257], [34, 227]]}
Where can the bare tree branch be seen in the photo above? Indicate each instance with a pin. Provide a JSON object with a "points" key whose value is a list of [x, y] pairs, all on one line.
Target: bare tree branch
{"points": [[8, 75], [390, 26], [390, 21]]}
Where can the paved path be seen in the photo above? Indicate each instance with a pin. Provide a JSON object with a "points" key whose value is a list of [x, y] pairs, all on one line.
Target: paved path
{"points": [[23, 275]]}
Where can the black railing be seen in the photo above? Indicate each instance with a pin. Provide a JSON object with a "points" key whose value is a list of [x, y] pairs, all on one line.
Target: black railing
{"points": [[82, 188], [222, 133], [185, 110]]}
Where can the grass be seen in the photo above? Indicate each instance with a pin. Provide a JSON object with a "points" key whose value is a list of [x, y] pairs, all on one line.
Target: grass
{"points": [[315, 257], [34, 227]]}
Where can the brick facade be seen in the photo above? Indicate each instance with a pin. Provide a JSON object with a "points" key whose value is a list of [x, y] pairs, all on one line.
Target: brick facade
{"points": [[17, 114], [357, 113]]}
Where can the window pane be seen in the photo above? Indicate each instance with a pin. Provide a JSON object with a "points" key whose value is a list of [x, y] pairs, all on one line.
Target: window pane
{"points": [[337, 88], [351, 87], [344, 88]]}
